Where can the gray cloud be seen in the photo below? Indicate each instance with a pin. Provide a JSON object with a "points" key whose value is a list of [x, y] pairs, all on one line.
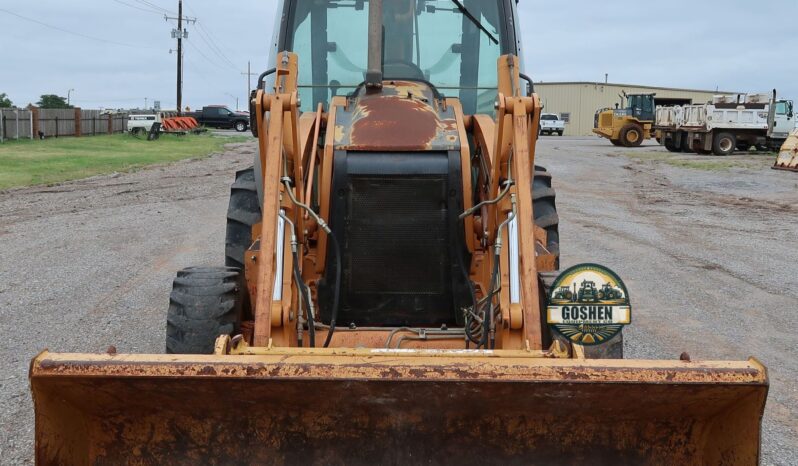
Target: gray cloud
{"points": [[735, 45]]}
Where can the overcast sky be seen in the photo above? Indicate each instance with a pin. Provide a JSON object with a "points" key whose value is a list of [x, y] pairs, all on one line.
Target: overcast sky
{"points": [[121, 55]]}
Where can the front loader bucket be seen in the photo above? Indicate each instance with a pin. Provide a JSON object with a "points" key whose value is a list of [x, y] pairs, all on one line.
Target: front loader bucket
{"points": [[393, 407], [788, 156]]}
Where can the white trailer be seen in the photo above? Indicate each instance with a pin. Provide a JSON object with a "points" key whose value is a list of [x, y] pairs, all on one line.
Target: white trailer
{"points": [[726, 124]]}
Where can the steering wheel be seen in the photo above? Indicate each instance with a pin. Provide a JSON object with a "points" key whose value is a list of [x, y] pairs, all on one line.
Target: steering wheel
{"points": [[398, 69]]}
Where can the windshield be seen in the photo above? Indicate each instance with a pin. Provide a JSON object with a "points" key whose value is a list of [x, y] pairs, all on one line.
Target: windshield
{"points": [[428, 40], [549, 117]]}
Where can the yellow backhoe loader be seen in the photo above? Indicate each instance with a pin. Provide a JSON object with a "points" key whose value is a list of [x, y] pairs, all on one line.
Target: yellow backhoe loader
{"points": [[627, 125], [383, 301], [788, 155]]}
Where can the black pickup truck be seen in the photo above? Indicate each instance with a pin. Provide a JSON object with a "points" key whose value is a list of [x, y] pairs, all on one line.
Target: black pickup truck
{"points": [[219, 116]]}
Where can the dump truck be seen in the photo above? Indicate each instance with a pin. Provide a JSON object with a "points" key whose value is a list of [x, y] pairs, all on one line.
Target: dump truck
{"points": [[383, 301], [727, 124], [627, 124], [788, 155]]}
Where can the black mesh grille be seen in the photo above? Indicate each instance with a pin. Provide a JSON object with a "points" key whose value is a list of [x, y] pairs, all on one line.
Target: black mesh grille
{"points": [[396, 235], [395, 217]]}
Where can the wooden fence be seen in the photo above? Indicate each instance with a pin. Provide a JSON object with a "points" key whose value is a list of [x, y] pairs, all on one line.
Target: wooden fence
{"points": [[37, 123]]}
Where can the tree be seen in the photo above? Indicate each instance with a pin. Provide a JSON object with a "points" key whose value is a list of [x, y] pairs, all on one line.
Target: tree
{"points": [[52, 101], [5, 102]]}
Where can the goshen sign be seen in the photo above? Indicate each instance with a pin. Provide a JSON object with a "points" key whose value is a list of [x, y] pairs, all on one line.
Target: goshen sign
{"points": [[589, 305]]}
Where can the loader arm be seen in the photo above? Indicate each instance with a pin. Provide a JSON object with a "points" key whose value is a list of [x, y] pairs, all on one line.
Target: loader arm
{"points": [[392, 298]]}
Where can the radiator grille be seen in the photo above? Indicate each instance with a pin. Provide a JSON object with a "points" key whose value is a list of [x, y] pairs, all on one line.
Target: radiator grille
{"points": [[396, 235]]}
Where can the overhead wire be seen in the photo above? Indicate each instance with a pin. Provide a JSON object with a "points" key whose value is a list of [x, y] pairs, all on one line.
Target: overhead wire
{"points": [[148, 10], [78, 34]]}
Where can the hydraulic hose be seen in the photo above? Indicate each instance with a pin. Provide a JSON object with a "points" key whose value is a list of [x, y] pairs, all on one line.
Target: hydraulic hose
{"points": [[304, 292], [486, 321], [304, 295], [337, 293], [286, 180]]}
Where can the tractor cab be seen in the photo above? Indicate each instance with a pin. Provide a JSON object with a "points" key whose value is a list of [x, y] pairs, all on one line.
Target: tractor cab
{"points": [[640, 106], [452, 45]]}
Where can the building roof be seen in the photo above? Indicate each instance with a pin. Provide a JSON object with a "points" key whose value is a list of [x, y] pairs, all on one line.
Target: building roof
{"points": [[595, 83]]}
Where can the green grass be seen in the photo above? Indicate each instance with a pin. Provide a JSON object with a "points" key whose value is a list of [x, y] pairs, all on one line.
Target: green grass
{"points": [[704, 162], [27, 163]]}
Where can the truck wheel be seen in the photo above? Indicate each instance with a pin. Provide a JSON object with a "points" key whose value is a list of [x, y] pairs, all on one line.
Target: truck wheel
{"points": [[559, 133], [240, 126], [671, 146], [205, 302], [243, 212], [545, 210], [616, 142], [632, 135], [686, 145], [724, 144]]}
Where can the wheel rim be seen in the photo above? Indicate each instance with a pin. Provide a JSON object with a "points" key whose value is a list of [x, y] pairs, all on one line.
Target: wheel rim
{"points": [[726, 144], [633, 136], [240, 126]]}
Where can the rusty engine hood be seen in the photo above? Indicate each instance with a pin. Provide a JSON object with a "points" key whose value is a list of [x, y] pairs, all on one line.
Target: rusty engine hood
{"points": [[402, 116]]}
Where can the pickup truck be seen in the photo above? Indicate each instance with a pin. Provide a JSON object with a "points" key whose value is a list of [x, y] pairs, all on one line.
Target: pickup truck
{"points": [[219, 116], [550, 123]]}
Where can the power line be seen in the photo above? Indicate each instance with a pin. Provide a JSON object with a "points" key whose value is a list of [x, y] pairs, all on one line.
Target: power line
{"points": [[202, 54], [78, 34], [205, 36], [156, 7], [148, 10]]}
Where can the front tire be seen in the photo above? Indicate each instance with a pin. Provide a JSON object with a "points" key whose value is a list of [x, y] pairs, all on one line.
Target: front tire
{"points": [[243, 212], [240, 126], [632, 135], [545, 210], [205, 302]]}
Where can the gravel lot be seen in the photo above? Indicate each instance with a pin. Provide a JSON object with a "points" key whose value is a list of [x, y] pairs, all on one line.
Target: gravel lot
{"points": [[710, 257]]}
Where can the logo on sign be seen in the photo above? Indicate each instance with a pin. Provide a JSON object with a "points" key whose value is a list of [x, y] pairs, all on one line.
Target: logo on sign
{"points": [[589, 305]]}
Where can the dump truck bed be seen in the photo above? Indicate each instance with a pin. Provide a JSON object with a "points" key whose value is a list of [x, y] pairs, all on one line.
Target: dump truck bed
{"points": [[393, 407]]}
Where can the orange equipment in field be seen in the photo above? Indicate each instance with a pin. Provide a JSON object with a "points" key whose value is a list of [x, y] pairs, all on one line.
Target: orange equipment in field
{"points": [[172, 124], [384, 295]]}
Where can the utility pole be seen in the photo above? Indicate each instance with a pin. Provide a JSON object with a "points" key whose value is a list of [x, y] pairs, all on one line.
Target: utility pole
{"points": [[180, 57], [180, 34], [249, 75]]}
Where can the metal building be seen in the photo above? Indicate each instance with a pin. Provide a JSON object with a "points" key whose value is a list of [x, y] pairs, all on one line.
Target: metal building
{"points": [[577, 102]]}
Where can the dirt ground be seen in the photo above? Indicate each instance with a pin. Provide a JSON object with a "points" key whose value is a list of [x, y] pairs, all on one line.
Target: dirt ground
{"points": [[708, 248]]}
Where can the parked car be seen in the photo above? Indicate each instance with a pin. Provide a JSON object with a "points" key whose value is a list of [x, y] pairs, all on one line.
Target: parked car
{"points": [[551, 123], [219, 116]]}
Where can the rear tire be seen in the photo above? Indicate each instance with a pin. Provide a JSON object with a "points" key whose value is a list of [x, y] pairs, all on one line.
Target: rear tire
{"points": [[559, 133], [545, 210], [724, 144], [632, 135], [685, 146], [243, 213], [205, 302], [671, 146], [240, 126]]}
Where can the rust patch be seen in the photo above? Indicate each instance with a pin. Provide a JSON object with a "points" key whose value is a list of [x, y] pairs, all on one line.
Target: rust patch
{"points": [[390, 121]]}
